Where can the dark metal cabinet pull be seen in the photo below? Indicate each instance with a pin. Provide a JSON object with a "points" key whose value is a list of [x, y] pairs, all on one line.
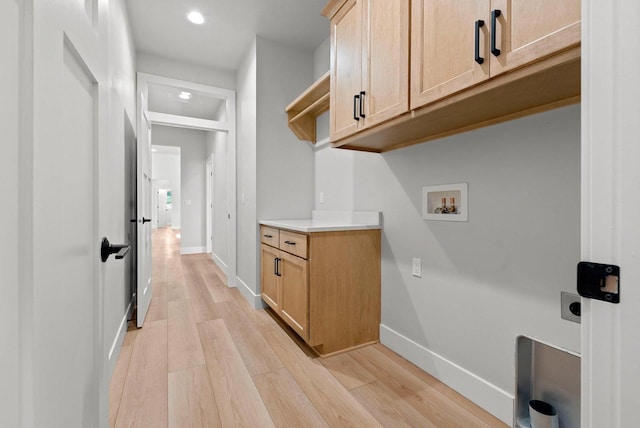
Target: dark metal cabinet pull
{"points": [[278, 260], [275, 266], [268, 236], [362, 94], [355, 107], [289, 242], [494, 16], [478, 58]]}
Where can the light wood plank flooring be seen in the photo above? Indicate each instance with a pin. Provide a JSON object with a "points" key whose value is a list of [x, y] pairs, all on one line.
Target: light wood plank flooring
{"points": [[204, 358]]}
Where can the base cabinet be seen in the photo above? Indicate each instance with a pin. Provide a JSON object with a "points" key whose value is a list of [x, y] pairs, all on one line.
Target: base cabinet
{"points": [[325, 285]]}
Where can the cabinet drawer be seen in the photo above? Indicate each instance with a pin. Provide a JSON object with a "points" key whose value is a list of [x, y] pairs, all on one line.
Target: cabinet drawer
{"points": [[269, 236], [294, 243]]}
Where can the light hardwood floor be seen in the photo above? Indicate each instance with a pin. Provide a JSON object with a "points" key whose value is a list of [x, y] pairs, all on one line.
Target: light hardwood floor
{"points": [[204, 358]]}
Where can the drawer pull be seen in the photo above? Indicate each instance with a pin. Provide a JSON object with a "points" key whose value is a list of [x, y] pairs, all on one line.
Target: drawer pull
{"points": [[289, 242], [268, 236], [355, 107]]}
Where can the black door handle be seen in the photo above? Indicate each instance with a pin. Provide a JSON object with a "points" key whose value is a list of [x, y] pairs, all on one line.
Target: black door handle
{"points": [[355, 107], [362, 94], [106, 249], [145, 220], [494, 15], [478, 58]]}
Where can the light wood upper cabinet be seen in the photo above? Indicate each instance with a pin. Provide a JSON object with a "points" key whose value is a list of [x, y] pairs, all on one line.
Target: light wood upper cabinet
{"points": [[443, 44], [346, 69], [457, 45], [369, 63], [527, 31], [386, 60]]}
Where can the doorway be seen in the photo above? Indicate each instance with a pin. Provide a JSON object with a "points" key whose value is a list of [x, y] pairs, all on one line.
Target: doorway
{"points": [[202, 108]]}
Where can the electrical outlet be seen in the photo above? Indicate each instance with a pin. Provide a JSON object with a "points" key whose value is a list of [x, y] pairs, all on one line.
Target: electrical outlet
{"points": [[416, 269], [322, 197], [570, 306]]}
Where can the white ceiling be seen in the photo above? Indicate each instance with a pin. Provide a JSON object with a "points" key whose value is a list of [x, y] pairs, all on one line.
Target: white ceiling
{"points": [[160, 27]]}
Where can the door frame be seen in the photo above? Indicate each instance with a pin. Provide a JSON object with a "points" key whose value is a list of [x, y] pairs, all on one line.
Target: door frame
{"points": [[610, 232], [228, 126], [209, 202]]}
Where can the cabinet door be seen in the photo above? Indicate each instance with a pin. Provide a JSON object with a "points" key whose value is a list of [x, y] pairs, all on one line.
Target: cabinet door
{"points": [[294, 306], [270, 283], [385, 56], [443, 40], [346, 69], [528, 30]]}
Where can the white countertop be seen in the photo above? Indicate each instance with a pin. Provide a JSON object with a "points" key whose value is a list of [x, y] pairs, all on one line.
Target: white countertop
{"points": [[330, 221]]}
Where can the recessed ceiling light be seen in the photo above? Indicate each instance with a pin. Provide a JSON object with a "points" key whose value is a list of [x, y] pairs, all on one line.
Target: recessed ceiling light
{"points": [[195, 17], [185, 95]]}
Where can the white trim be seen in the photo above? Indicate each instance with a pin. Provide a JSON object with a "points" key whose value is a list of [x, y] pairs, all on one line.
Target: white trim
{"points": [[193, 250], [255, 300], [486, 395], [183, 84], [220, 263], [209, 204], [116, 339], [156, 118]]}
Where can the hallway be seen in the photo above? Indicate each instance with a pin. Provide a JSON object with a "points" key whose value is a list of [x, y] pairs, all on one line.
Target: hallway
{"points": [[204, 358]]}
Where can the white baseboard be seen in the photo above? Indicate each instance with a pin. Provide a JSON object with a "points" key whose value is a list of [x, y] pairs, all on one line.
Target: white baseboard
{"points": [[193, 250], [486, 395], [221, 264], [255, 300], [119, 334]]}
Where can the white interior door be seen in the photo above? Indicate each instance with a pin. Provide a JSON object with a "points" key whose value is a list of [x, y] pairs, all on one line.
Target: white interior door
{"points": [[144, 290], [62, 354]]}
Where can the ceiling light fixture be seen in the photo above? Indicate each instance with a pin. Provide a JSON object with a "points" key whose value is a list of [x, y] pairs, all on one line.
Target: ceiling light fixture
{"points": [[195, 17], [185, 95]]}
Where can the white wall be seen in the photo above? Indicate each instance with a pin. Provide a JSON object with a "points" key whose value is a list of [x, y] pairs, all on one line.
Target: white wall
{"points": [[153, 64], [217, 145], [485, 281], [284, 163], [193, 152], [165, 169], [246, 123], [322, 58], [9, 332], [275, 169]]}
